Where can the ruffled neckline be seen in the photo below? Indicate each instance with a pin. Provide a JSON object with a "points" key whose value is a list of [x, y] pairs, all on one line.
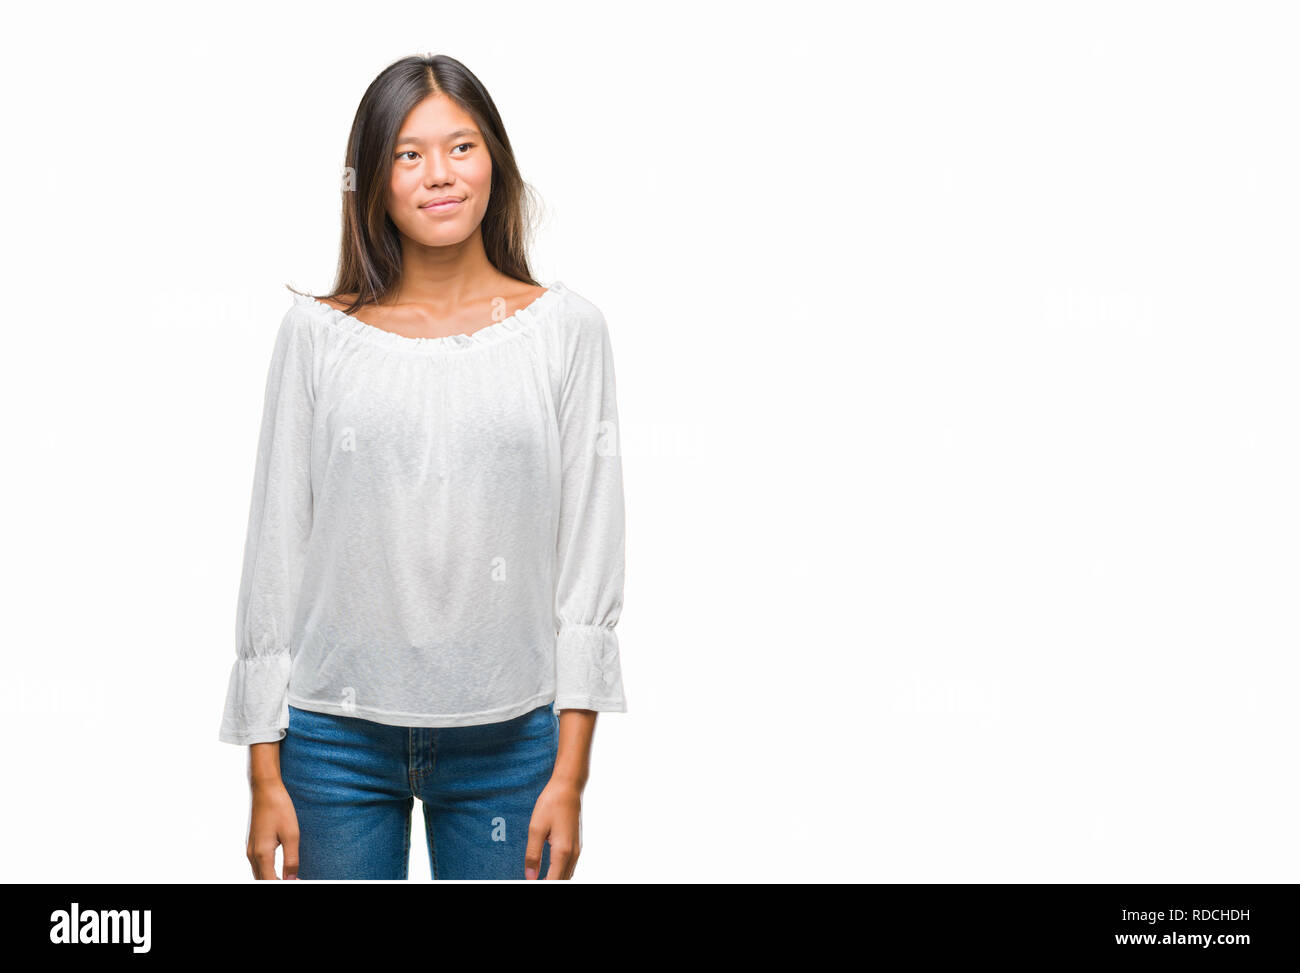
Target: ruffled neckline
{"points": [[483, 337]]}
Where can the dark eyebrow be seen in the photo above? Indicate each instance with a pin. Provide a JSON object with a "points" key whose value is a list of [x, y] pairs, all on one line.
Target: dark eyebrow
{"points": [[416, 140]]}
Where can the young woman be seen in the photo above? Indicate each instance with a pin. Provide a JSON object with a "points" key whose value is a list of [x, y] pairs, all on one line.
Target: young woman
{"points": [[433, 567]]}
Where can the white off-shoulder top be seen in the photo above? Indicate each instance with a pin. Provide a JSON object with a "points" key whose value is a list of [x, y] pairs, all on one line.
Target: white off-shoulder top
{"points": [[436, 534]]}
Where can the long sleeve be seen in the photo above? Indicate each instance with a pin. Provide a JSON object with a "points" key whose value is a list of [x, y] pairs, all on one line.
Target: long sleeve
{"points": [[590, 543], [279, 524]]}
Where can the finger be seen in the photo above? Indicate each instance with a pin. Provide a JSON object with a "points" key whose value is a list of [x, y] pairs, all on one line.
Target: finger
{"points": [[265, 857], [533, 852], [289, 843], [559, 862]]}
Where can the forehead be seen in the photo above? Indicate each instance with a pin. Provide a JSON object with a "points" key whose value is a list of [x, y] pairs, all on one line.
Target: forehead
{"points": [[436, 117]]}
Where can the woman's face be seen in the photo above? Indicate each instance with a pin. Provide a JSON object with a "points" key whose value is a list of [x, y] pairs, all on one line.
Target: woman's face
{"points": [[439, 155]]}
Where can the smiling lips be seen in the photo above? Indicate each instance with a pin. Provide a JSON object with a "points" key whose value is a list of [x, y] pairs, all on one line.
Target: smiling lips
{"points": [[440, 205]]}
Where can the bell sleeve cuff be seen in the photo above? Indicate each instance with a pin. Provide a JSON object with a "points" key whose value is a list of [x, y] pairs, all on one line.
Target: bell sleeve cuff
{"points": [[590, 542], [279, 525]]}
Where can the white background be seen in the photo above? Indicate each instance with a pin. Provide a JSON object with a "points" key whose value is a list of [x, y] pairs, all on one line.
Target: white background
{"points": [[956, 349]]}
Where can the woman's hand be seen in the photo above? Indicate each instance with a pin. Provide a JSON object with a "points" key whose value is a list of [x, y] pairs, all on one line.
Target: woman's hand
{"points": [[273, 823], [557, 819]]}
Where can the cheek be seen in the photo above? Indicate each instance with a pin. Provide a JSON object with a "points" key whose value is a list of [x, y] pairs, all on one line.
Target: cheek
{"points": [[402, 185], [479, 177], [402, 188]]}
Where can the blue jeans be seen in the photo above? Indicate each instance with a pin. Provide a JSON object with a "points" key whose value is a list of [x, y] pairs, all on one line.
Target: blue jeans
{"points": [[353, 783]]}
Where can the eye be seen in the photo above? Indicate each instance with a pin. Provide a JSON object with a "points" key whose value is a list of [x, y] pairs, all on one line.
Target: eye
{"points": [[407, 152], [463, 144]]}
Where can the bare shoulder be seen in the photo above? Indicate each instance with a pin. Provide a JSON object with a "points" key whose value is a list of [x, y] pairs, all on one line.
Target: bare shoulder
{"points": [[519, 295], [339, 304]]}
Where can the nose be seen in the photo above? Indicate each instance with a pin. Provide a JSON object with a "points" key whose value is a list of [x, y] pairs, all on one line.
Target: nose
{"points": [[436, 171]]}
